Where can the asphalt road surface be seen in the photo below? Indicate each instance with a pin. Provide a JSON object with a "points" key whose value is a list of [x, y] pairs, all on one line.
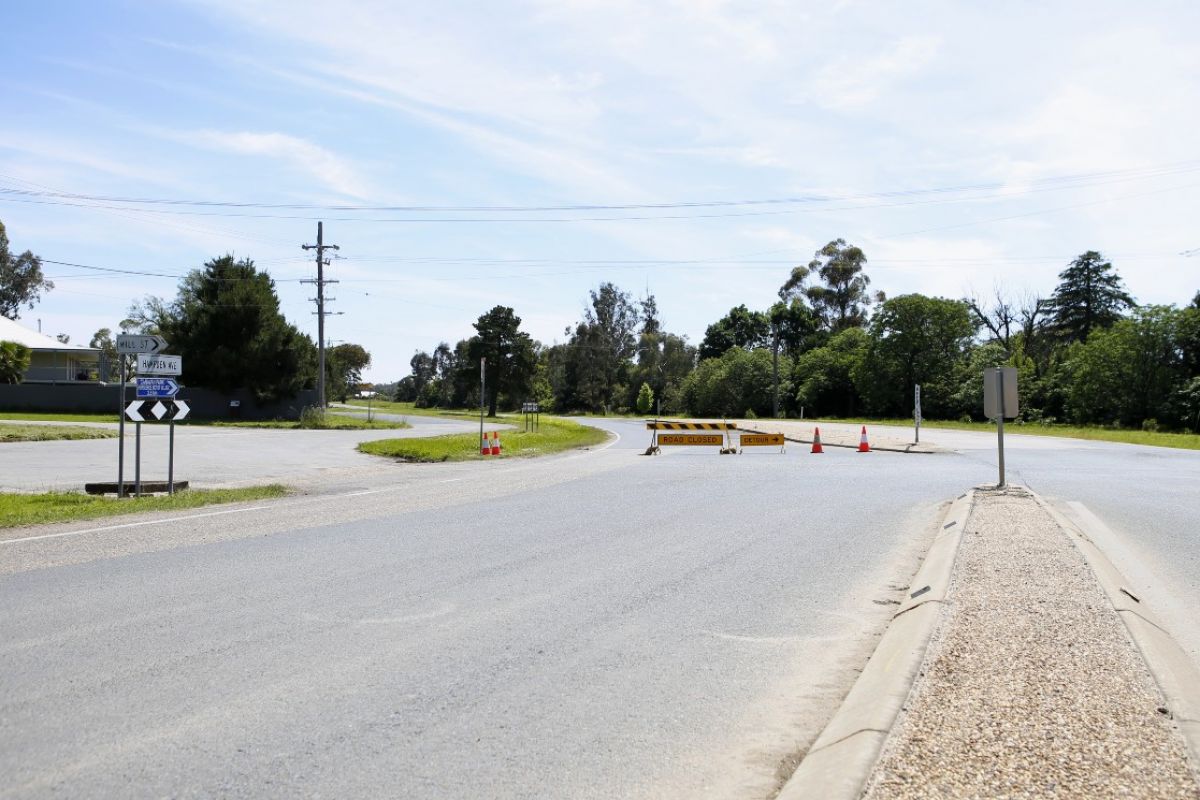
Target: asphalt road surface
{"points": [[599, 624]]}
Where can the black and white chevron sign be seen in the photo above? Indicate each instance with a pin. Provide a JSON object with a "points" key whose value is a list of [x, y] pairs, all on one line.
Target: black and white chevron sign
{"points": [[157, 410]]}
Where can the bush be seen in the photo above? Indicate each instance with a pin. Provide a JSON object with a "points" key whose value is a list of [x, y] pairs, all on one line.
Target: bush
{"points": [[312, 417], [1150, 425]]}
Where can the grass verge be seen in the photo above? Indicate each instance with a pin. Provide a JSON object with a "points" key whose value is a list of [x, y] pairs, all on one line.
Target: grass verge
{"points": [[329, 422], [332, 421], [46, 433], [52, 416], [409, 409], [1183, 441], [552, 436], [38, 509]]}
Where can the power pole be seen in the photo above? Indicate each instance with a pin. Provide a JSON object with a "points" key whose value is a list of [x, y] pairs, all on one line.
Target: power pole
{"points": [[320, 281], [775, 369]]}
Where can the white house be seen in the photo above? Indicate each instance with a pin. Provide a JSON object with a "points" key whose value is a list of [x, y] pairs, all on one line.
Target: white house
{"points": [[51, 360]]}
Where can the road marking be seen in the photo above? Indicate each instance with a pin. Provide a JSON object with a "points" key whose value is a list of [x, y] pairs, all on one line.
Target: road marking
{"points": [[452, 480]]}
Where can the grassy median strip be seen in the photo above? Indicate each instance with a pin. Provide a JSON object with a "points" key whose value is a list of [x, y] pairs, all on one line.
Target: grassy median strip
{"points": [[54, 416], [47, 433], [38, 509], [552, 436]]}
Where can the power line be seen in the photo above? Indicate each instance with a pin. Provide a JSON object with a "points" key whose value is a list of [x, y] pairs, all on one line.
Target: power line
{"points": [[998, 193], [320, 282], [1083, 178]]}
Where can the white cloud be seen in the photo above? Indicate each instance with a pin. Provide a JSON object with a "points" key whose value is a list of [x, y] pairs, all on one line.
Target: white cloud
{"points": [[856, 80], [332, 170]]}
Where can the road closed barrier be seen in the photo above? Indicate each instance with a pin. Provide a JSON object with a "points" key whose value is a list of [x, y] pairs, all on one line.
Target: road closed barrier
{"points": [[720, 438]]}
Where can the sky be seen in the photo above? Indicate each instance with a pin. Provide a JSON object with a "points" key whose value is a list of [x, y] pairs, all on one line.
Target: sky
{"points": [[464, 155]]}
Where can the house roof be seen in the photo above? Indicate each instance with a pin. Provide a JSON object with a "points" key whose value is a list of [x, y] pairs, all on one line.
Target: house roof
{"points": [[11, 331]]}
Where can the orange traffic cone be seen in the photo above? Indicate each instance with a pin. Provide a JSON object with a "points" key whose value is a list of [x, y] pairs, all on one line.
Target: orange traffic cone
{"points": [[816, 448], [495, 443], [483, 446], [863, 447]]}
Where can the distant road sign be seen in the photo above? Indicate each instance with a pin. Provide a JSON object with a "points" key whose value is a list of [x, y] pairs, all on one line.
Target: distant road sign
{"points": [[159, 365], [157, 387], [530, 408], [760, 440], [132, 343], [707, 439], [157, 410], [656, 425]]}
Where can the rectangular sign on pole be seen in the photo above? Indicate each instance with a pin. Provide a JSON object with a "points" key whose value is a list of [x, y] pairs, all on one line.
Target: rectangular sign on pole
{"points": [[131, 343], [706, 439], [157, 387], [157, 410], [991, 392], [159, 365]]}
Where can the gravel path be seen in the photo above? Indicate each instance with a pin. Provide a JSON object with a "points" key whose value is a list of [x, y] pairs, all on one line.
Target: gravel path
{"points": [[1031, 687]]}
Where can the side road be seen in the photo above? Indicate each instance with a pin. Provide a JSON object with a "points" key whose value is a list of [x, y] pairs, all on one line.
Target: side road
{"points": [[1043, 676]]}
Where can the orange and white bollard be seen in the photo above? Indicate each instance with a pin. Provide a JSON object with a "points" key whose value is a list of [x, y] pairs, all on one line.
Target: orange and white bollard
{"points": [[863, 447], [816, 448], [495, 443]]}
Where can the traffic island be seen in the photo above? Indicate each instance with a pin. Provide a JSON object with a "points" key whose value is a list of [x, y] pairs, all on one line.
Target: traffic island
{"points": [[1037, 680]]}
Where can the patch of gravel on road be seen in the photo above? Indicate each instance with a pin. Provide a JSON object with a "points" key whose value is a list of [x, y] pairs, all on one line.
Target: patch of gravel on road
{"points": [[1032, 686]]}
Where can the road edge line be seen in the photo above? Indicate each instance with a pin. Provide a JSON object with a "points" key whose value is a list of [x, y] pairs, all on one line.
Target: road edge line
{"points": [[842, 758], [1173, 671]]}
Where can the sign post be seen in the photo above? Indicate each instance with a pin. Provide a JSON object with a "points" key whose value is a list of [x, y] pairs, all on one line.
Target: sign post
{"points": [[917, 412], [1000, 401], [129, 344], [482, 377]]}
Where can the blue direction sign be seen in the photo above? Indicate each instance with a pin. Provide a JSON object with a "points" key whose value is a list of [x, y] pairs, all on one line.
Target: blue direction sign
{"points": [[157, 387]]}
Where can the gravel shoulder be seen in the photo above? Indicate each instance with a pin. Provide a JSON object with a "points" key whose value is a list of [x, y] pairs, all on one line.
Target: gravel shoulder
{"points": [[1031, 686]]}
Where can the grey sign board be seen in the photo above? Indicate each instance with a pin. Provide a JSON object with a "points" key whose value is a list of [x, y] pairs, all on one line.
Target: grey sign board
{"points": [[993, 378], [132, 343], [159, 365]]}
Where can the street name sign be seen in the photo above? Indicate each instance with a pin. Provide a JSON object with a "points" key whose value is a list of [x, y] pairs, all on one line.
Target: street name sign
{"points": [[706, 439], [991, 392], [157, 410], [157, 387], [159, 365], [131, 343], [760, 440]]}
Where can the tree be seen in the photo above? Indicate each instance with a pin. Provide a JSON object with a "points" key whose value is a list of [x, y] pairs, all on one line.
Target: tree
{"points": [[738, 382], [1127, 373], [14, 360], [645, 399], [344, 365], [843, 299], [21, 279], [226, 324], [824, 376], [1089, 296], [511, 361], [914, 339], [597, 362], [741, 327]]}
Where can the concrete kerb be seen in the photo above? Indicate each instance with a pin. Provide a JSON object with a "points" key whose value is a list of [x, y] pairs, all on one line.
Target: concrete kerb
{"points": [[1177, 676], [838, 764], [922, 449]]}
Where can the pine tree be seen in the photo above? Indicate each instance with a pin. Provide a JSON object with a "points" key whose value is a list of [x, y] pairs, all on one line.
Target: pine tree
{"points": [[1089, 296]]}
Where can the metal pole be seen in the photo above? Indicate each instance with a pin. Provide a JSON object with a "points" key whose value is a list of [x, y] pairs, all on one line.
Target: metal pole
{"points": [[121, 430], [917, 413], [482, 378], [137, 460], [171, 459], [1000, 422], [775, 368], [321, 315]]}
